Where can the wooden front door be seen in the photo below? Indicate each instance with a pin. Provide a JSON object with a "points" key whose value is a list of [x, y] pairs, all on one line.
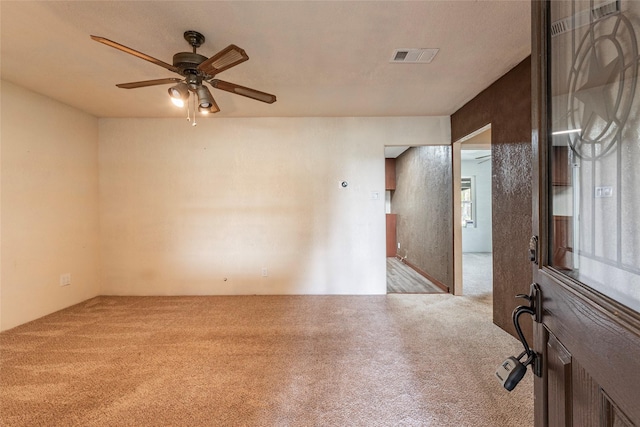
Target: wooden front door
{"points": [[586, 144]]}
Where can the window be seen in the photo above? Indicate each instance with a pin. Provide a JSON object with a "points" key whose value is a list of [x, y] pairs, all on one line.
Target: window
{"points": [[468, 201]]}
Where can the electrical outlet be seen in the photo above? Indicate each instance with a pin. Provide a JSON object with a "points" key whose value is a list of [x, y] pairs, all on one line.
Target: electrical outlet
{"points": [[398, 245], [603, 192], [65, 279], [265, 272]]}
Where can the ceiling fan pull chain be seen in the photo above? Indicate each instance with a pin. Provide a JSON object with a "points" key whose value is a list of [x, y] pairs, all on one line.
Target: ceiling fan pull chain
{"points": [[188, 113], [194, 112]]}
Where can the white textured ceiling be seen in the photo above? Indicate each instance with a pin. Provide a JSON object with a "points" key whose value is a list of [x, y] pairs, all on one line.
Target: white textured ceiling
{"points": [[320, 58]]}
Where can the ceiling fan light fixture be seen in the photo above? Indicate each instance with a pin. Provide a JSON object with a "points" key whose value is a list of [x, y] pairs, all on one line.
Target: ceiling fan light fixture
{"points": [[179, 94], [205, 100], [177, 102], [206, 108]]}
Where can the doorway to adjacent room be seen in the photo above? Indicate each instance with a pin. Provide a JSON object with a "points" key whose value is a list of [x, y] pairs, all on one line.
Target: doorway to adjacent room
{"points": [[418, 214], [473, 230]]}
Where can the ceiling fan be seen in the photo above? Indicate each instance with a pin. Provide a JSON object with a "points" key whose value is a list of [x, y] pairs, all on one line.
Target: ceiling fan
{"points": [[195, 69], [483, 158]]}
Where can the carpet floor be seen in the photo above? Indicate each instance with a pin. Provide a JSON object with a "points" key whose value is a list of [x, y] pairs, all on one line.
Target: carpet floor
{"points": [[477, 273], [395, 360]]}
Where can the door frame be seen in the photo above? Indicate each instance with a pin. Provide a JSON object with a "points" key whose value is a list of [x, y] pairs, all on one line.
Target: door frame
{"points": [[604, 324], [456, 170]]}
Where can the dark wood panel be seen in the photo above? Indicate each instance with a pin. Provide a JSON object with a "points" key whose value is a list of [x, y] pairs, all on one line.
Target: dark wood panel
{"points": [[392, 239], [559, 383], [602, 334], [540, 335], [586, 399], [390, 174], [613, 416], [560, 172], [562, 257]]}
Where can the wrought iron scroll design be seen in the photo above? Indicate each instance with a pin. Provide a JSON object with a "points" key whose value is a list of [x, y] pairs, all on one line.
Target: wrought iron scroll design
{"points": [[601, 90]]}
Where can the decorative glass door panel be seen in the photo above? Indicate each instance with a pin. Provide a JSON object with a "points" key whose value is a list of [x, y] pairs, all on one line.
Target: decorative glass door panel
{"points": [[594, 220]]}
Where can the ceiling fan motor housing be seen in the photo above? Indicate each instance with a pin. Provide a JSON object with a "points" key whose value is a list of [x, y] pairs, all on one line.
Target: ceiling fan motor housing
{"points": [[187, 62]]}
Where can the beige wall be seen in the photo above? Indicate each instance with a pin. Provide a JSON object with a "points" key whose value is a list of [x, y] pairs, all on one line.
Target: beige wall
{"points": [[203, 210], [157, 207], [49, 206]]}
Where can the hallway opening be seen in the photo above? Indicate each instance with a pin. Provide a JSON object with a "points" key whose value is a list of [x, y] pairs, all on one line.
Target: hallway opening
{"points": [[473, 263], [419, 254]]}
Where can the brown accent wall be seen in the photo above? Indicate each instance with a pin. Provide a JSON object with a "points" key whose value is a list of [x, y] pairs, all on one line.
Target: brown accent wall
{"points": [[506, 105], [423, 204]]}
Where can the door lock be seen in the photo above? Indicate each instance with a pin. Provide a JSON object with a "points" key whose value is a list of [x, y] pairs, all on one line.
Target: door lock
{"points": [[533, 249], [513, 369]]}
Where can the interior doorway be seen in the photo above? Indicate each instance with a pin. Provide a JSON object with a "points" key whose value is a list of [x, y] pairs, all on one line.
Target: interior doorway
{"points": [[473, 229], [417, 198]]}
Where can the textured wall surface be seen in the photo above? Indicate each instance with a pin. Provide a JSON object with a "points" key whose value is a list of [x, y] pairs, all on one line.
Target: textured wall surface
{"points": [[512, 186], [506, 105], [423, 202]]}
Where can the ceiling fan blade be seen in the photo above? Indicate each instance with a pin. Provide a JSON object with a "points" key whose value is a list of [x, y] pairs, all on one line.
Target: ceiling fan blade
{"points": [[228, 57], [214, 106], [135, 53], [244, 91], [145, 83]]}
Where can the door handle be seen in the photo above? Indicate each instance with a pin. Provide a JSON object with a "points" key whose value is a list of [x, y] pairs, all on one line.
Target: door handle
{"points": [[513, 369]]}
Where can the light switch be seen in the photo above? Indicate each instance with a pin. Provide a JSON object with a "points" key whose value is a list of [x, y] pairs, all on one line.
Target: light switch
{"points": [[65, 279]]}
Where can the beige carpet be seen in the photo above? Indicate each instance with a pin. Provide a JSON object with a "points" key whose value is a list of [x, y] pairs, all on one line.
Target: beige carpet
{"points": [[397, 360]]}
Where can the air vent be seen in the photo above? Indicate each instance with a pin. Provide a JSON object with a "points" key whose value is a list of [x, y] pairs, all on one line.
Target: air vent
{"points": [[583, 18], [606, 9], [413, 56]]}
